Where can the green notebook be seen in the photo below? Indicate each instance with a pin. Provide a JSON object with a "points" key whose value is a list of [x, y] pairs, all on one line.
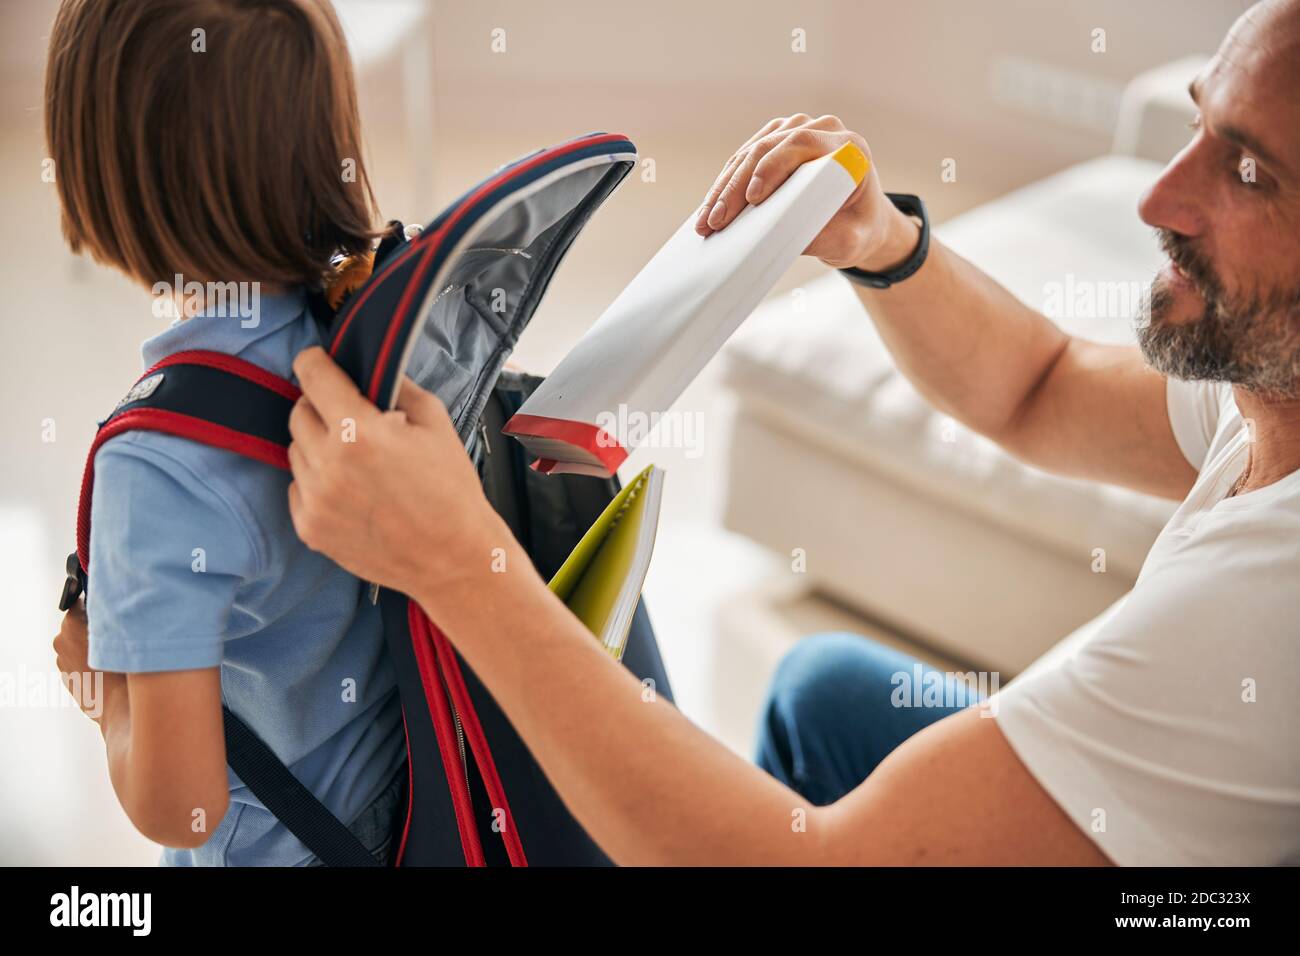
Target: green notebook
{"points": [[601, 579]]}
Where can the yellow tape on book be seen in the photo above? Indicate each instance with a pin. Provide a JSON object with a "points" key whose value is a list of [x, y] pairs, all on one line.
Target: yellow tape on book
{"points": [[853, 160]]}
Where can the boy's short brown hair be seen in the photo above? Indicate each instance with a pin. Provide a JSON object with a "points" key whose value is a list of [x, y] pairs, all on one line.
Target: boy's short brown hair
{"points": [[215, 139]]}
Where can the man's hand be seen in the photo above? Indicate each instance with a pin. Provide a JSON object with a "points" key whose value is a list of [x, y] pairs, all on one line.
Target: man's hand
{"points": [[391, 496], [867, 232], [72, 652], [972, 350]]}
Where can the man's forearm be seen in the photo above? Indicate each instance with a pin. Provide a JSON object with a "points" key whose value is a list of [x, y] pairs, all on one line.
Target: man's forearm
{"points": [[653, 789], [649, 786], [970, 347]]}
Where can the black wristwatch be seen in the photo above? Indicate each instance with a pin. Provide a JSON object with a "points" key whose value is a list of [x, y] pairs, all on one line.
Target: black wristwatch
{"points": [[912, 206]]}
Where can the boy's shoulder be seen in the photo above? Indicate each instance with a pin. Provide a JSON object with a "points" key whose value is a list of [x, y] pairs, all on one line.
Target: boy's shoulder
{"points": [[178, 528], [173, 540], [156, 477], [152, 488]]}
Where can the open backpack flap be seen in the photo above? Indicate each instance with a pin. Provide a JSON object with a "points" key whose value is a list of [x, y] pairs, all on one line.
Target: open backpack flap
{"points": [[445, 308], [490, 256]]}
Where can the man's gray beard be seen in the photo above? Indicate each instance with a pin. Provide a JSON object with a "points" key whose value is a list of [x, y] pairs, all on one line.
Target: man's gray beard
{"points": [[1254, 343]]}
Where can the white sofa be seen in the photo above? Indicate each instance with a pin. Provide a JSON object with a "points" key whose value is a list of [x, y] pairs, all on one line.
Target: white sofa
{"points": [[907, 516]]}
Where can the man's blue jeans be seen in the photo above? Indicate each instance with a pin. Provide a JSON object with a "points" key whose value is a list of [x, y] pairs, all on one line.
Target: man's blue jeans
{"points": [[832, 713]]}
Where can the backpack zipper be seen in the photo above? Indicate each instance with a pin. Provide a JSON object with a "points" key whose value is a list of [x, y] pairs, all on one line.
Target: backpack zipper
{"points": [[438, 686], [460, 730], [478, 744]]}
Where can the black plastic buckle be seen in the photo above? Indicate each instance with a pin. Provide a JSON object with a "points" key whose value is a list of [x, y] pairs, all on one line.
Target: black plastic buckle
{"points": [[394, 238], [75, 583]]}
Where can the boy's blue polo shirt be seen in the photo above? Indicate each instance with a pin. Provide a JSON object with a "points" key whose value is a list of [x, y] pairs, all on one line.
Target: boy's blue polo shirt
{"points": [[194, 563]]}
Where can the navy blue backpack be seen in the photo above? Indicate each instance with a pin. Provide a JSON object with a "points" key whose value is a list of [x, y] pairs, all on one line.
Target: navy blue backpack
{"points": [[445, 307]]}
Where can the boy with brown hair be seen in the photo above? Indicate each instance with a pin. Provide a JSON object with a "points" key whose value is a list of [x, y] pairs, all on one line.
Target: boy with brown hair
{"points": [[211, 146]]}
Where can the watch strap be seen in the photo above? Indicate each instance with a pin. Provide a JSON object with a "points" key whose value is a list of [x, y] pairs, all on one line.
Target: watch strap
{"points": [[912, 206]]}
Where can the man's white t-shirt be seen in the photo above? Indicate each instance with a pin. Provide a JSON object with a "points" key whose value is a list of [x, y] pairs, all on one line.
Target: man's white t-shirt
{"points": [[1170, 733]]}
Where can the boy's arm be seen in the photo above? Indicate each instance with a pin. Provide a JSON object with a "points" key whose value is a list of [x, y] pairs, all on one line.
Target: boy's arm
{"points": [[170, 546], [167, 755], [168, 764]]}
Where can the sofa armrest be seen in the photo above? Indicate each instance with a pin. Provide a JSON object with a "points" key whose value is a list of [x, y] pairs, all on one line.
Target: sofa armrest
{"points": [[1155, 109]]}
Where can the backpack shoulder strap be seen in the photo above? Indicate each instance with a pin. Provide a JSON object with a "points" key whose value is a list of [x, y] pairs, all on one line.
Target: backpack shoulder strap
{"points": [[225, 402], [209, 397], [284, 795]]}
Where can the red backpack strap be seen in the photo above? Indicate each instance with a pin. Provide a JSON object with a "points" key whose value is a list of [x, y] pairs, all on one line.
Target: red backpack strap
{"points": [[218, 400], [209, 397]]}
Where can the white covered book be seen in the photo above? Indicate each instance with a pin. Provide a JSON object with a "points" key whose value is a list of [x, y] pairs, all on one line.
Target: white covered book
{"points": [[652, 341]]}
